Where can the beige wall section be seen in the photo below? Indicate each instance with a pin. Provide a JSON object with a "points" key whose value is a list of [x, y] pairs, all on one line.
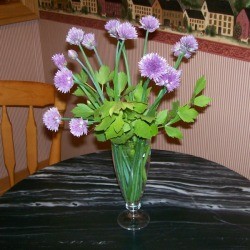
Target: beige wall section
{"points": [[221, 133], [21, 59]]}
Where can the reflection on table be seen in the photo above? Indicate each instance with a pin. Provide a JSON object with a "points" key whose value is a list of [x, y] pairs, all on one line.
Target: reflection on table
{"points": [[193, 204]]}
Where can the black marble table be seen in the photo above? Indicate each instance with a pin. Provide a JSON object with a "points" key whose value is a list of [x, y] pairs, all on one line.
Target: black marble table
{"points": [[193, 204]]}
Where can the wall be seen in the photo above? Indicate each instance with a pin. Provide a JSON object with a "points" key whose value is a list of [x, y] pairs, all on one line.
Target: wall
{"points": [[21, 59], [221, 133]]}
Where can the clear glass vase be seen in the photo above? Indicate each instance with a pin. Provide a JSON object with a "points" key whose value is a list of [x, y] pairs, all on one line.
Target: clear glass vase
{"points": [[131, 162]]}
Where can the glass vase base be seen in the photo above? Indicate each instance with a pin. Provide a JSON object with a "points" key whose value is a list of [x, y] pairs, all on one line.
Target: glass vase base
{"points": [[133, 220]]}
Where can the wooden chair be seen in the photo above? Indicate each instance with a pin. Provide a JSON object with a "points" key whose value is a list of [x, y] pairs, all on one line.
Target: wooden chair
{"points": [[29, 94]]}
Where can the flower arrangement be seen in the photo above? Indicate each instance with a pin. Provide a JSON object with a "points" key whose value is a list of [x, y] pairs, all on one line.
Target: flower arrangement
{"points": [[115, 108]]}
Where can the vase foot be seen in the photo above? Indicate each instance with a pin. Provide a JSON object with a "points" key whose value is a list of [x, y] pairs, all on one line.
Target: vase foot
{"points": [[133, 220]]}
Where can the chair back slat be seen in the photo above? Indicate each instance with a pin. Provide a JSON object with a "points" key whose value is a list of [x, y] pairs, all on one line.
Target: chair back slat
{"points": [[31, 142], [8, 145]]}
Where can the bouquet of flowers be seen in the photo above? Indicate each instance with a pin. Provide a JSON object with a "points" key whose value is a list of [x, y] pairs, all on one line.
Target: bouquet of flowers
{"points": [[115, 107], [121, 111]]}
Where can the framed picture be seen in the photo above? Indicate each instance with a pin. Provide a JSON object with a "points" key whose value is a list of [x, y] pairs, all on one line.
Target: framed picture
{"points": [[13, 11]]}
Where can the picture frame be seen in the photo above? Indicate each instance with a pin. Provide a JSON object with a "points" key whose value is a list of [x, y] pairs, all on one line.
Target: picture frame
{"points": [[14, 11]]}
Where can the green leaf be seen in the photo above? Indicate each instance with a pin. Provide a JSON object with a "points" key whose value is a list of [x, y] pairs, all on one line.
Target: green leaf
{"points": [[200, 85], [83, 76], [118, 123], [111, 133], [127, 105], [82, 110], [142, 129], [110, 92], [105, 108], [115, 108], [78, 92], [111, 76], [126, 127], [129, 89], [140, 107], [123, 138], [122, 81], [202, 101], [153, 130], [147, 118], [100, 136], [105, 123], [173, 132], [187, 114], [138, 92], [161, 117], [103, 75]]}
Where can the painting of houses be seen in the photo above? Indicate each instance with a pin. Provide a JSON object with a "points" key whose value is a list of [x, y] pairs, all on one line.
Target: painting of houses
{"points": [[205, 18], [194, 19], [172, 13], [113, 8], [141, 8], [77, 4], [243, 20], [219, 14]]}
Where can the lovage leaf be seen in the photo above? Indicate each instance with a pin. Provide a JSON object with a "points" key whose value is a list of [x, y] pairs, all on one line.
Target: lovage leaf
{"points": [[202, 101], [78, 92], [161, 117], [153, 130], [142, 129], [118, 123], [102, 76], [200, 85], [173, 132], [122, 81], [83, 76], [82, 110], [105, 123], [187, 114], [139, 107], [138, 93], [111, 133]]}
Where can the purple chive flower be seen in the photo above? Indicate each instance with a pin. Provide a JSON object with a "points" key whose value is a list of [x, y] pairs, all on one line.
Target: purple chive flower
{"points": [[149, 23], [152, 66], [89, 41], [171, 79], [75, 36], [78, 126], [111, 26], [72, 54], [187, 45], [63, 80], [59, 60], [126, 31], [52, 119]]}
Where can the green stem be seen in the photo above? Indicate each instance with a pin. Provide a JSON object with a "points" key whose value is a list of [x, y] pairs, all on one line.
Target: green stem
{"points": [[118, 56], [88, 93], [126, 65], [145, 47], [91, 72], [157, 101], [178, 62], [145, 87], [98, 57]]}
